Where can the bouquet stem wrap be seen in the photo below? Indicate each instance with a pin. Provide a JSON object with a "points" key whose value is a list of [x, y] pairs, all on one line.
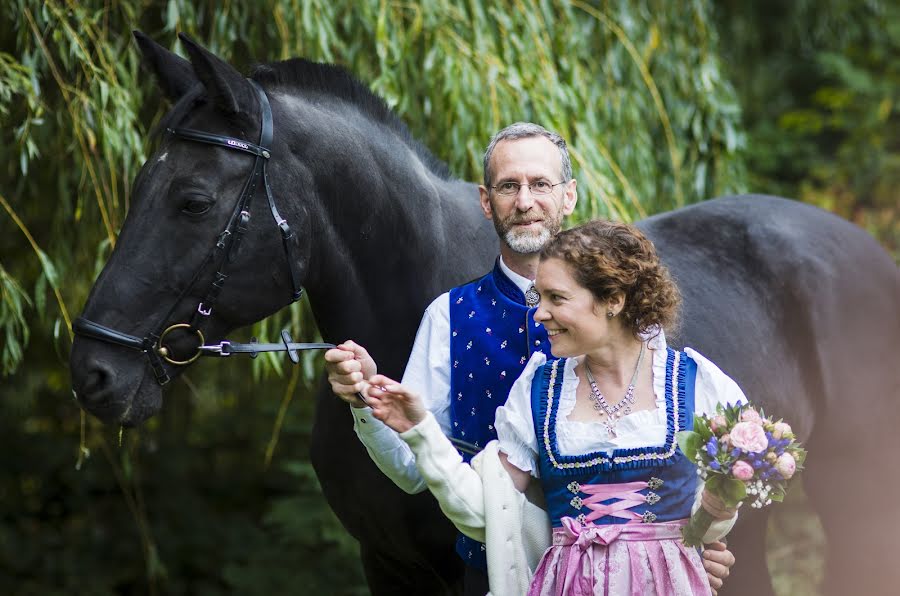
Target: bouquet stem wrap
{"points": [[697, 527]]}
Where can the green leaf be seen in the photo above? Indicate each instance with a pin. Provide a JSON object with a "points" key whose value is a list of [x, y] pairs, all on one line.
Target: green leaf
{"points": [[731, 490], [689, 442]]}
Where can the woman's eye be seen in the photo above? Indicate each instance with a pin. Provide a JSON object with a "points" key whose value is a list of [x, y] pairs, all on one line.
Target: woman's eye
{"points": [[194, 207]]}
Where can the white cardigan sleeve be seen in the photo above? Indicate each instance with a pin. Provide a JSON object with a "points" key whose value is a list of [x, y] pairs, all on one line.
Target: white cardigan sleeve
{"points": [[483, 503], [456, 486]]}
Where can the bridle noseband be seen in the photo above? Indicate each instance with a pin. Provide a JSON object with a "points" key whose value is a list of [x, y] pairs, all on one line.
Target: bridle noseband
{"points": [[223, 253]]}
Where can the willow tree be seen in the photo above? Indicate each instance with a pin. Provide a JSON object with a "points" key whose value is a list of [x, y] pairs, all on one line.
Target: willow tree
{"points": [[636, 87]]}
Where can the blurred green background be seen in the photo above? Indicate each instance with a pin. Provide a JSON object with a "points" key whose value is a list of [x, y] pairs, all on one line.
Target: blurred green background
{"points": [[664, 103]]}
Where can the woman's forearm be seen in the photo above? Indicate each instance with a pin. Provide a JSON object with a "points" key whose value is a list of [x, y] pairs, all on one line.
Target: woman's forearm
{"points": [[455, 484]]}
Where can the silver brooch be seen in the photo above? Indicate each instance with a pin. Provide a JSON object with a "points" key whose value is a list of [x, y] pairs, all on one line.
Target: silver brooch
{"points": [[652, 498], [654, 483], [532, 297], [574, 487], [648, 517], [582, 519], [576, 502]]}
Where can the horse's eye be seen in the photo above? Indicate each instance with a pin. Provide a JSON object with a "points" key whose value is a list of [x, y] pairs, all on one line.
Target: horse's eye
{"points": [[195, 207]]}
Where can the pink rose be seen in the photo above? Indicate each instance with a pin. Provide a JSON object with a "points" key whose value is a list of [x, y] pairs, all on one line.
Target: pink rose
{"points": [[751, 415], [786, 465], [742, 470], [718, 423], [781, 430], [749, 436], [725, 440]]}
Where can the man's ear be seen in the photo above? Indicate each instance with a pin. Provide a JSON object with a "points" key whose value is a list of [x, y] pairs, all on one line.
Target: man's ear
{"points": [[485, 196], [570, 197]]}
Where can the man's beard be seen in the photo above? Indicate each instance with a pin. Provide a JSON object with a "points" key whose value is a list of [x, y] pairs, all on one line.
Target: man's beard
{"points": [[525, 242]]}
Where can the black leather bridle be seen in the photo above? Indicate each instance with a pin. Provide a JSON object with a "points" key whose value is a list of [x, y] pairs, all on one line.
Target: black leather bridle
{"points": [[224, 251]]}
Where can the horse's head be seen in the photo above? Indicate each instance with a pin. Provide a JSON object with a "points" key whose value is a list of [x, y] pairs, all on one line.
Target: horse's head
{"points": [[200, 245]]}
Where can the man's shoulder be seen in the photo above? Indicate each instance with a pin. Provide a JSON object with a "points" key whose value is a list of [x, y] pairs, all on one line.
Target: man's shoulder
{"points": [[471, 283]]}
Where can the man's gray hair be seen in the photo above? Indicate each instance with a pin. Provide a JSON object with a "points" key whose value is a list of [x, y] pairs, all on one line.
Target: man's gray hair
{"points": [[524, 130]]}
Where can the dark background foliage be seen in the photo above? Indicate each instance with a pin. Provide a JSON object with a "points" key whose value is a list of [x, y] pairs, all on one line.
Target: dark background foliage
{"points": [[664, 103]]}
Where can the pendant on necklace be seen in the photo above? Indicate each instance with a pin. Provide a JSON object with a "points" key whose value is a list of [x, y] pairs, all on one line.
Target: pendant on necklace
{"points": [[610, 424]]}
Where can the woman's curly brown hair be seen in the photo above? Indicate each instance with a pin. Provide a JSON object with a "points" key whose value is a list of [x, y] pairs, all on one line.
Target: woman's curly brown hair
{"points": [[610, 258]]}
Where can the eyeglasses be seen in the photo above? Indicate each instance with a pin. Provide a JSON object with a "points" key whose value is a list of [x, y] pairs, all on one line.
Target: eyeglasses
{"points": [[540, 187]]}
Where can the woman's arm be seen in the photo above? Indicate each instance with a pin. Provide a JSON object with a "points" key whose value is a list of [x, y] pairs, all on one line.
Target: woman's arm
{"points": [[457, 486]]}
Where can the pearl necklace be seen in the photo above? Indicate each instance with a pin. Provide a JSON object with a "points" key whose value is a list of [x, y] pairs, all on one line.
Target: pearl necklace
{"points": [[623, 407]]}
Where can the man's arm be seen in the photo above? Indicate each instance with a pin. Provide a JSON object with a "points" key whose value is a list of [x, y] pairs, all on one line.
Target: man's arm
{"points": [[349, 365]]}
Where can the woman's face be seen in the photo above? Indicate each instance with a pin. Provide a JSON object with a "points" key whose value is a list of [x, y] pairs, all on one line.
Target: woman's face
{"points": [[575, 321]]}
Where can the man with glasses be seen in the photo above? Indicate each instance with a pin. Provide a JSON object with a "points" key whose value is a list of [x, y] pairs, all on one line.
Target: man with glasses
{"points": [[474, 341]]}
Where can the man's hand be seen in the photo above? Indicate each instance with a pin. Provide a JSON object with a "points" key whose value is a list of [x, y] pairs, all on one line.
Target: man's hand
{"points": [[348, 365], [393, 404], [717, 561]]}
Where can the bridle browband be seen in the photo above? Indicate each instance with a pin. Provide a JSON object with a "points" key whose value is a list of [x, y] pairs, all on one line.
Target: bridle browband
{"points": [[223, 253]]}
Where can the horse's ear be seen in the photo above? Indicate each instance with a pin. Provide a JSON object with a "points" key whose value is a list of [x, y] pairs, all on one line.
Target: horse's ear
{"points": [[225, 86], [174, 73]]}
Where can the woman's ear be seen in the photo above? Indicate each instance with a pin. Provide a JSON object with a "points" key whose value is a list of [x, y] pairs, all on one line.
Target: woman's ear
{"points": [[615, 305]]}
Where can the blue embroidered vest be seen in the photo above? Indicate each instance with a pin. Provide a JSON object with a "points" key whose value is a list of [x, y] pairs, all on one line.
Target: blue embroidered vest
{"points": [[671, 479], [492, 336]]}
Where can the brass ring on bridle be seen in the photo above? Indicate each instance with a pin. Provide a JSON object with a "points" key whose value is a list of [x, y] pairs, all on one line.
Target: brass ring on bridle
{"points": [[164, 351]]}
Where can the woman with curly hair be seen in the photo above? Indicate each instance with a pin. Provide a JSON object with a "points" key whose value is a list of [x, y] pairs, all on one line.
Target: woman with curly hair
{"points": [[594, 427]]}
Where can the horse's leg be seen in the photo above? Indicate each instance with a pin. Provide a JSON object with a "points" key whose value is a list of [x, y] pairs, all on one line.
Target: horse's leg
{"points": [[387, 576], [750, 574], [406, 544]]}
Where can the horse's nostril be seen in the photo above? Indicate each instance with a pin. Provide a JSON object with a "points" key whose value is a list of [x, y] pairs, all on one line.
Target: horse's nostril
{"points": [[95, 380]]}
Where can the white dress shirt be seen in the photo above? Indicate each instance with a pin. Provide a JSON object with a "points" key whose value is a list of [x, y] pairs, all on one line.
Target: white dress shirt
{"points": [[428, 374]]}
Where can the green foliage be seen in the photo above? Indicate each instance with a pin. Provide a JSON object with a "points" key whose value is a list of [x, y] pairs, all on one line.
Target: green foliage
{"points": [[820, 86], [13, 302]]}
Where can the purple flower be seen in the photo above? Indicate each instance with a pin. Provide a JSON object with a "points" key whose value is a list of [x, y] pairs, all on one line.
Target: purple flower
{"points": [[714, 465]]}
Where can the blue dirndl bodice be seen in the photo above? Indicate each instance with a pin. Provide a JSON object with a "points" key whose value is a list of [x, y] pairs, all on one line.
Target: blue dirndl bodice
{"points": [[646, 484]]}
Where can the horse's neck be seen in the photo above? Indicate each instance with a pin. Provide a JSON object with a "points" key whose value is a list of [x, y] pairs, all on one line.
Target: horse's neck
{"points": [[390, 236]]}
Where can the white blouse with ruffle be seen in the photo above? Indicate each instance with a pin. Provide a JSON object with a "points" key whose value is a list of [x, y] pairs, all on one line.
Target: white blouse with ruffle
{"points": [[644, 428]]}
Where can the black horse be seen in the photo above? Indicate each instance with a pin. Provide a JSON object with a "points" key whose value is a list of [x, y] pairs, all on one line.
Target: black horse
{"points": [[799, 306]]}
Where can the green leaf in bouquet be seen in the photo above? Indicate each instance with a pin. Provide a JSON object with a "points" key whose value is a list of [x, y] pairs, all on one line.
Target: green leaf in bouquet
{"points": [[777, 496], [731, 490], [690, 443], [701, 427]]}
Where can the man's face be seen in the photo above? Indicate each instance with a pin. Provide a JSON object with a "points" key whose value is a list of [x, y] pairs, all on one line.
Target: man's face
{"points": [[525, 221]]}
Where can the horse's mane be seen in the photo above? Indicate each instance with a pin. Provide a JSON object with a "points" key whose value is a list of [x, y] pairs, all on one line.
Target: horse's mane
{"points": [[304, 76]]}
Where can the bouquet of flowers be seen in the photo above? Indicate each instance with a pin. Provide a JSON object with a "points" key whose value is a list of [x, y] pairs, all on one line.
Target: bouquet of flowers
{"points": [[741, 455]]}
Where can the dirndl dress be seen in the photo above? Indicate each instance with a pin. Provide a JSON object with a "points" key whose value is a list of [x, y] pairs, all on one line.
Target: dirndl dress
{"points": [[617, 515]]}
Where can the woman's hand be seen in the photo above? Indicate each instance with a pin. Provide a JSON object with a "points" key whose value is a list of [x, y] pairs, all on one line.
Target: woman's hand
{"points": [[716, 507], [399, 408]]}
